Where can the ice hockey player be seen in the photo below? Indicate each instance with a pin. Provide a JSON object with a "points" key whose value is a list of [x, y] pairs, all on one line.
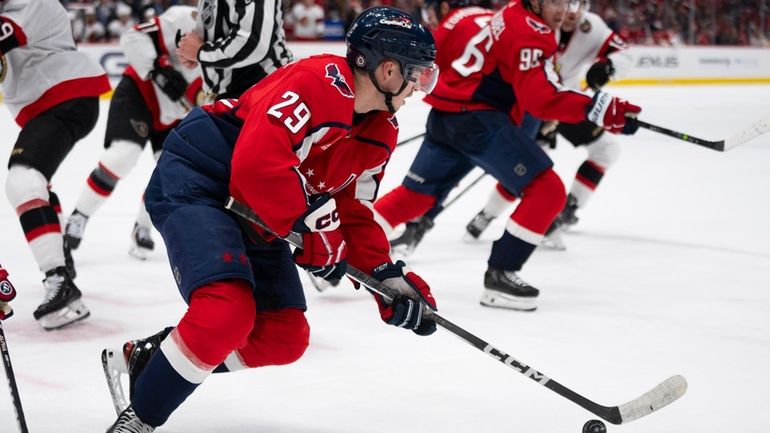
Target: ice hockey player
{"points": [[585, 41], [154, 93], [305, 148], [237, 44], [494, 69], [53, 93]]}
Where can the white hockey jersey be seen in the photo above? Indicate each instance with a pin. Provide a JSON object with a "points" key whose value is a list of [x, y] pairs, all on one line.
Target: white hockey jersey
{"points": [[40, 66], [143, 44], [591, 39]]}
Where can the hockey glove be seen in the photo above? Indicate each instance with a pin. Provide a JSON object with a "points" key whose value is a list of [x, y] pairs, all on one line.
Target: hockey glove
{"points": [[323, 247], [599, 74], [546, 135], [406, 310], [7, 293], [170, 81], [613, 114]]}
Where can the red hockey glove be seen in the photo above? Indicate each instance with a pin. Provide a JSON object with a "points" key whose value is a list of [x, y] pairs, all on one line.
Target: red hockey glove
{"points": [[613, 114], [323, 247], [7, 293], [406, 310]]}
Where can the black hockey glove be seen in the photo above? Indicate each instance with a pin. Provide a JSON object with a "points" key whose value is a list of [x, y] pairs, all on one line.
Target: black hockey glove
{"points": [[170, 81], [599, 74], [546, 135]]}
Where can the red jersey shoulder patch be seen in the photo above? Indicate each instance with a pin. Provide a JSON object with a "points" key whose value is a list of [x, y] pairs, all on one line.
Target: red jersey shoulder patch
{"points": [[338, 80], [538, 27]]}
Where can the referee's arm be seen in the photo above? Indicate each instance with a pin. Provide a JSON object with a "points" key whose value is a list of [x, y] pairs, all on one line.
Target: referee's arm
{"points": [[248, 41]]}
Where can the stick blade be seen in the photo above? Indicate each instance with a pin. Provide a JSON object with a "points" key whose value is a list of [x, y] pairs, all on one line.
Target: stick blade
{"points": [[759, 127], [659, 397]]}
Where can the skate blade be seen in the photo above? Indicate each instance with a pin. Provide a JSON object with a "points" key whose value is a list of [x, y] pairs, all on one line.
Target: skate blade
{"points": [[114, 365], [74, 312], [495, 299]]}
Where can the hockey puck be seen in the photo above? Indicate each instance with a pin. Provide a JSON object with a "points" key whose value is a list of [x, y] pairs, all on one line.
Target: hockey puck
{"points": [[594, 426]]}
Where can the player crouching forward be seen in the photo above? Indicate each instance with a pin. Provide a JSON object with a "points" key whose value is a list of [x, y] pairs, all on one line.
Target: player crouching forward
{"points": [[305, 148]]}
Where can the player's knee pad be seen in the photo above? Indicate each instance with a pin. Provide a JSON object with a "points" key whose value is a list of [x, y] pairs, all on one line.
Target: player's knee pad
{"points": [[604, 152], [541, 202], [278, 338], [121, 157], [25, 184], [218, 320]]}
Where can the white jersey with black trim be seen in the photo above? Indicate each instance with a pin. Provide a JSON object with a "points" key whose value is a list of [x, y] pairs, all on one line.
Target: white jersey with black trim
{"points": [[243, 42], [39, 62], [591, 38], [144, 43]]}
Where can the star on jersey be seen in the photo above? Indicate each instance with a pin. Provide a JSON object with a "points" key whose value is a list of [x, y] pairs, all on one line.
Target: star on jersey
{"points": [[309, 172]]}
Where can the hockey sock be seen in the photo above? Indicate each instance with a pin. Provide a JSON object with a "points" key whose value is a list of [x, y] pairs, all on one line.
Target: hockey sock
{"points": [[218, 321], [27, 191], [279, 337], [499, 199], [586, 180], [541, 202], [54, 200], [401, 205], [115, 164]]}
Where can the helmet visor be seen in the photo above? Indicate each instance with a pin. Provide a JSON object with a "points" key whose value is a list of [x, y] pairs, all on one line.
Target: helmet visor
{"points": [[423, 77]]}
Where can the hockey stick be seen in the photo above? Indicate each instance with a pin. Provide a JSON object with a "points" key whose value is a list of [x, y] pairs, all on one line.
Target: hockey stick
{"points": [[660, 396], [410, 139], [463, 191], [12, 382], [759, 127]]}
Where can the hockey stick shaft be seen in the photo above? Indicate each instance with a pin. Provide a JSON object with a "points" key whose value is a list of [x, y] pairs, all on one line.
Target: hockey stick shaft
{"points": [[714, 145], [658, 397], [463, 191], [410, 139], [12, 382]]}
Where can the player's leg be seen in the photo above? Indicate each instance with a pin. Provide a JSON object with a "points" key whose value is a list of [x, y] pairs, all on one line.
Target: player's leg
{"points": [[141, 235], [42, 145], [523, 168], [500, 198], [210, 264], [603, 152], [434, 172], [129, 123]]}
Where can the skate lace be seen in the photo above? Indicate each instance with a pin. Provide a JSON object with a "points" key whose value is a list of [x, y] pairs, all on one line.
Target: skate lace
{"points": [[52, 286], [76, 225], [130, 423], [514, 279]]}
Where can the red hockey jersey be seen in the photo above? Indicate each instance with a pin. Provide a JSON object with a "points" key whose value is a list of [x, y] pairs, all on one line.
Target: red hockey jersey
{"points": [[300, 138], [509, 66]]}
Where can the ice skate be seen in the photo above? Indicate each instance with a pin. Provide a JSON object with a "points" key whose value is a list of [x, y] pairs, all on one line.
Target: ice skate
{"points": [[478, 224], [69, 263], [405, 244], [567, 217], [129, 422], [62, 304], [322, 284], [554, 241], [141, 242], [73, 231], [504, 289], [129, 362]]}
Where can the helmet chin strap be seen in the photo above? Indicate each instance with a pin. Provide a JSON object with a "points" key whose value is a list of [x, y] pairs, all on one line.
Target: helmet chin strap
{"points": [[388, 95]]}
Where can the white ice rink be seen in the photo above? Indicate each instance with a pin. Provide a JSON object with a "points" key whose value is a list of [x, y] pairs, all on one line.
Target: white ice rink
{"points": [[668, 272]]}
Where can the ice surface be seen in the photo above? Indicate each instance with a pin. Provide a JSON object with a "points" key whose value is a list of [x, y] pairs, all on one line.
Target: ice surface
{"points": [[668, 272]]}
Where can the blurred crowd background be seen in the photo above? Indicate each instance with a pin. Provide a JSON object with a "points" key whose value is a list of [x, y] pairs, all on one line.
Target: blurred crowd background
{"points": [[647, 22]]}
